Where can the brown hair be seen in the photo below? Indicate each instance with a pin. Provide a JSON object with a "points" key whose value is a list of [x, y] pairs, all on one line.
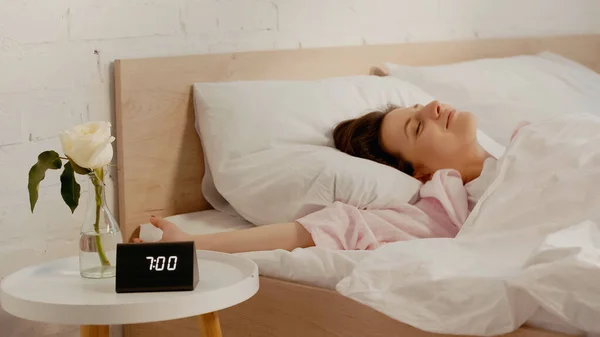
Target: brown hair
{"points": [[361, 137]]}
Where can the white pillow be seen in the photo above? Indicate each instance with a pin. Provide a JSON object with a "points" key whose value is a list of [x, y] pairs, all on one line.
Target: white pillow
{"points": [[504, 91], [269, 152]]}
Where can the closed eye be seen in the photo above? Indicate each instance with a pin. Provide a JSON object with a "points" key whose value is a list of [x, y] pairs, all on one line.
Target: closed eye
{"points": [[419, 128]]}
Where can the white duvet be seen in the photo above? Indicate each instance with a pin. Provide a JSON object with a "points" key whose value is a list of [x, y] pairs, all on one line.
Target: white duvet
{"points": [[528, 253]]}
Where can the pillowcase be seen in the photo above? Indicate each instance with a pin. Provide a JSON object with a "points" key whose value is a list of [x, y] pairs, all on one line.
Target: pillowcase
{"points": [[502, 92], [269, 152]]}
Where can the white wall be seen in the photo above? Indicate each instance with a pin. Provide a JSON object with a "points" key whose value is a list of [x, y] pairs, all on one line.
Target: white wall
{"points": [[55, 57]]}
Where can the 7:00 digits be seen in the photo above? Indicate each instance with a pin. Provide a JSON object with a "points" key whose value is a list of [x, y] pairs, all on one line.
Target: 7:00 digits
{"points": [[158, 263]]}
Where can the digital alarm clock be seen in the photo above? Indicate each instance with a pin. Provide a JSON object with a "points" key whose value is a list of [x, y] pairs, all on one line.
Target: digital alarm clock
{"points": [[156, 267]]}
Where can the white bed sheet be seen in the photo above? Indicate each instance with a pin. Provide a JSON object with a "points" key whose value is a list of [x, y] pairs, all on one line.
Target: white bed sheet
{"points": [[204, 222]]}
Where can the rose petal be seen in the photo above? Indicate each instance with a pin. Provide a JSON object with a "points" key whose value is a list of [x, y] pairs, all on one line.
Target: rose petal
{"points": [[103, 154]]}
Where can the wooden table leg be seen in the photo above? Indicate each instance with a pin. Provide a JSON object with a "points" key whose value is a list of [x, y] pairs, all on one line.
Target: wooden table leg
{"points": [[94, 331], [210, 325]]}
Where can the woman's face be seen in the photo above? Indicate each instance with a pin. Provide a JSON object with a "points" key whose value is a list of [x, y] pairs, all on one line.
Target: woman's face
{"points": [[431, 137]]}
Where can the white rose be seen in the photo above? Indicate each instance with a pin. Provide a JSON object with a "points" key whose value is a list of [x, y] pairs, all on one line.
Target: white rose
{"points": [[89, 144]]}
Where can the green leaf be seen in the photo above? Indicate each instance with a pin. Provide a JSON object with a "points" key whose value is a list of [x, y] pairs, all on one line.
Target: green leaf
{"points": [[78, 169], [70, 189], [47, 160]]}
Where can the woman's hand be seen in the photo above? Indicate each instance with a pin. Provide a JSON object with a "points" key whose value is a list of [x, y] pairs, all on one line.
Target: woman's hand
{"points": [[171, 233]]}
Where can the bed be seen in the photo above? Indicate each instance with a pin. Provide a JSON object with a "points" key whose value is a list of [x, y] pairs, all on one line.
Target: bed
{"points": [[160, 172]]}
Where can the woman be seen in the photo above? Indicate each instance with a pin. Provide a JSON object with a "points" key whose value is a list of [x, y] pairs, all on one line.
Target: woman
{"points": [[434, 143]]}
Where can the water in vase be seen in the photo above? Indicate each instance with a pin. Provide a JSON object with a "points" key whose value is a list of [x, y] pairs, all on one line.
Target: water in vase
{"points": [[95, 262]]}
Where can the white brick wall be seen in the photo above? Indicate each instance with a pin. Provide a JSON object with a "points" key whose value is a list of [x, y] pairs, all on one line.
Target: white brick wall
{"points": [[45, 66], [55, 57], [34, 21], [112, 19]]}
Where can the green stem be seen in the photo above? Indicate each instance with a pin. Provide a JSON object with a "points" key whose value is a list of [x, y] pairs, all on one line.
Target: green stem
{"points": [[98, 189]]}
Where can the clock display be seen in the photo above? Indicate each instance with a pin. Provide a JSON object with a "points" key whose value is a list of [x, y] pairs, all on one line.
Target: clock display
{"points": [[161, 263], [156, 266]]}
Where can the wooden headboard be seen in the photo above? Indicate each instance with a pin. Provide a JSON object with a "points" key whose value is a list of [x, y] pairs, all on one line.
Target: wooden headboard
{"points": [[160, 160]]}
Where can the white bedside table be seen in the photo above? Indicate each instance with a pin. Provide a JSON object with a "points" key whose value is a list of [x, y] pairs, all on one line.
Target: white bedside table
{"points": [[54, 292]]}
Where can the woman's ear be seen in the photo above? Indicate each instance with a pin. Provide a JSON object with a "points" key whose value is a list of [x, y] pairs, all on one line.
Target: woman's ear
{"points": [[377, 71]]}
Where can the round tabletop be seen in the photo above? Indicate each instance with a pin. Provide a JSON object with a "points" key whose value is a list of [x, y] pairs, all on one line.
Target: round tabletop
{"points": [[54, 292]]}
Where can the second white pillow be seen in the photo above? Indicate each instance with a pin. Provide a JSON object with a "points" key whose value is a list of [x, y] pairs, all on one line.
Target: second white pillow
{"points": [[502, 92]]}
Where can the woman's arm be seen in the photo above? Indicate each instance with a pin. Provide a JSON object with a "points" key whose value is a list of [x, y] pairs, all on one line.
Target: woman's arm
{"points": [[440, 212], [287, 236]]}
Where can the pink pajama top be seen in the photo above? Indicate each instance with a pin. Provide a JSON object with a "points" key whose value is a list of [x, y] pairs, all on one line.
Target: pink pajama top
{"points": [[442, 208]]}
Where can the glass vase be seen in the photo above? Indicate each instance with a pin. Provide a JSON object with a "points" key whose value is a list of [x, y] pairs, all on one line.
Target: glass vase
{"points": [[100, 233]]}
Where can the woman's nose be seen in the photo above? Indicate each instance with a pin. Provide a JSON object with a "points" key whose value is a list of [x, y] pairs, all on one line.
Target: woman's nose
{"points": [[431, 110]]}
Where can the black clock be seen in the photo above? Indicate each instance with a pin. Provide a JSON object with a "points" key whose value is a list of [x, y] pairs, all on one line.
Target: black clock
{"points": [[156, 267]]}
